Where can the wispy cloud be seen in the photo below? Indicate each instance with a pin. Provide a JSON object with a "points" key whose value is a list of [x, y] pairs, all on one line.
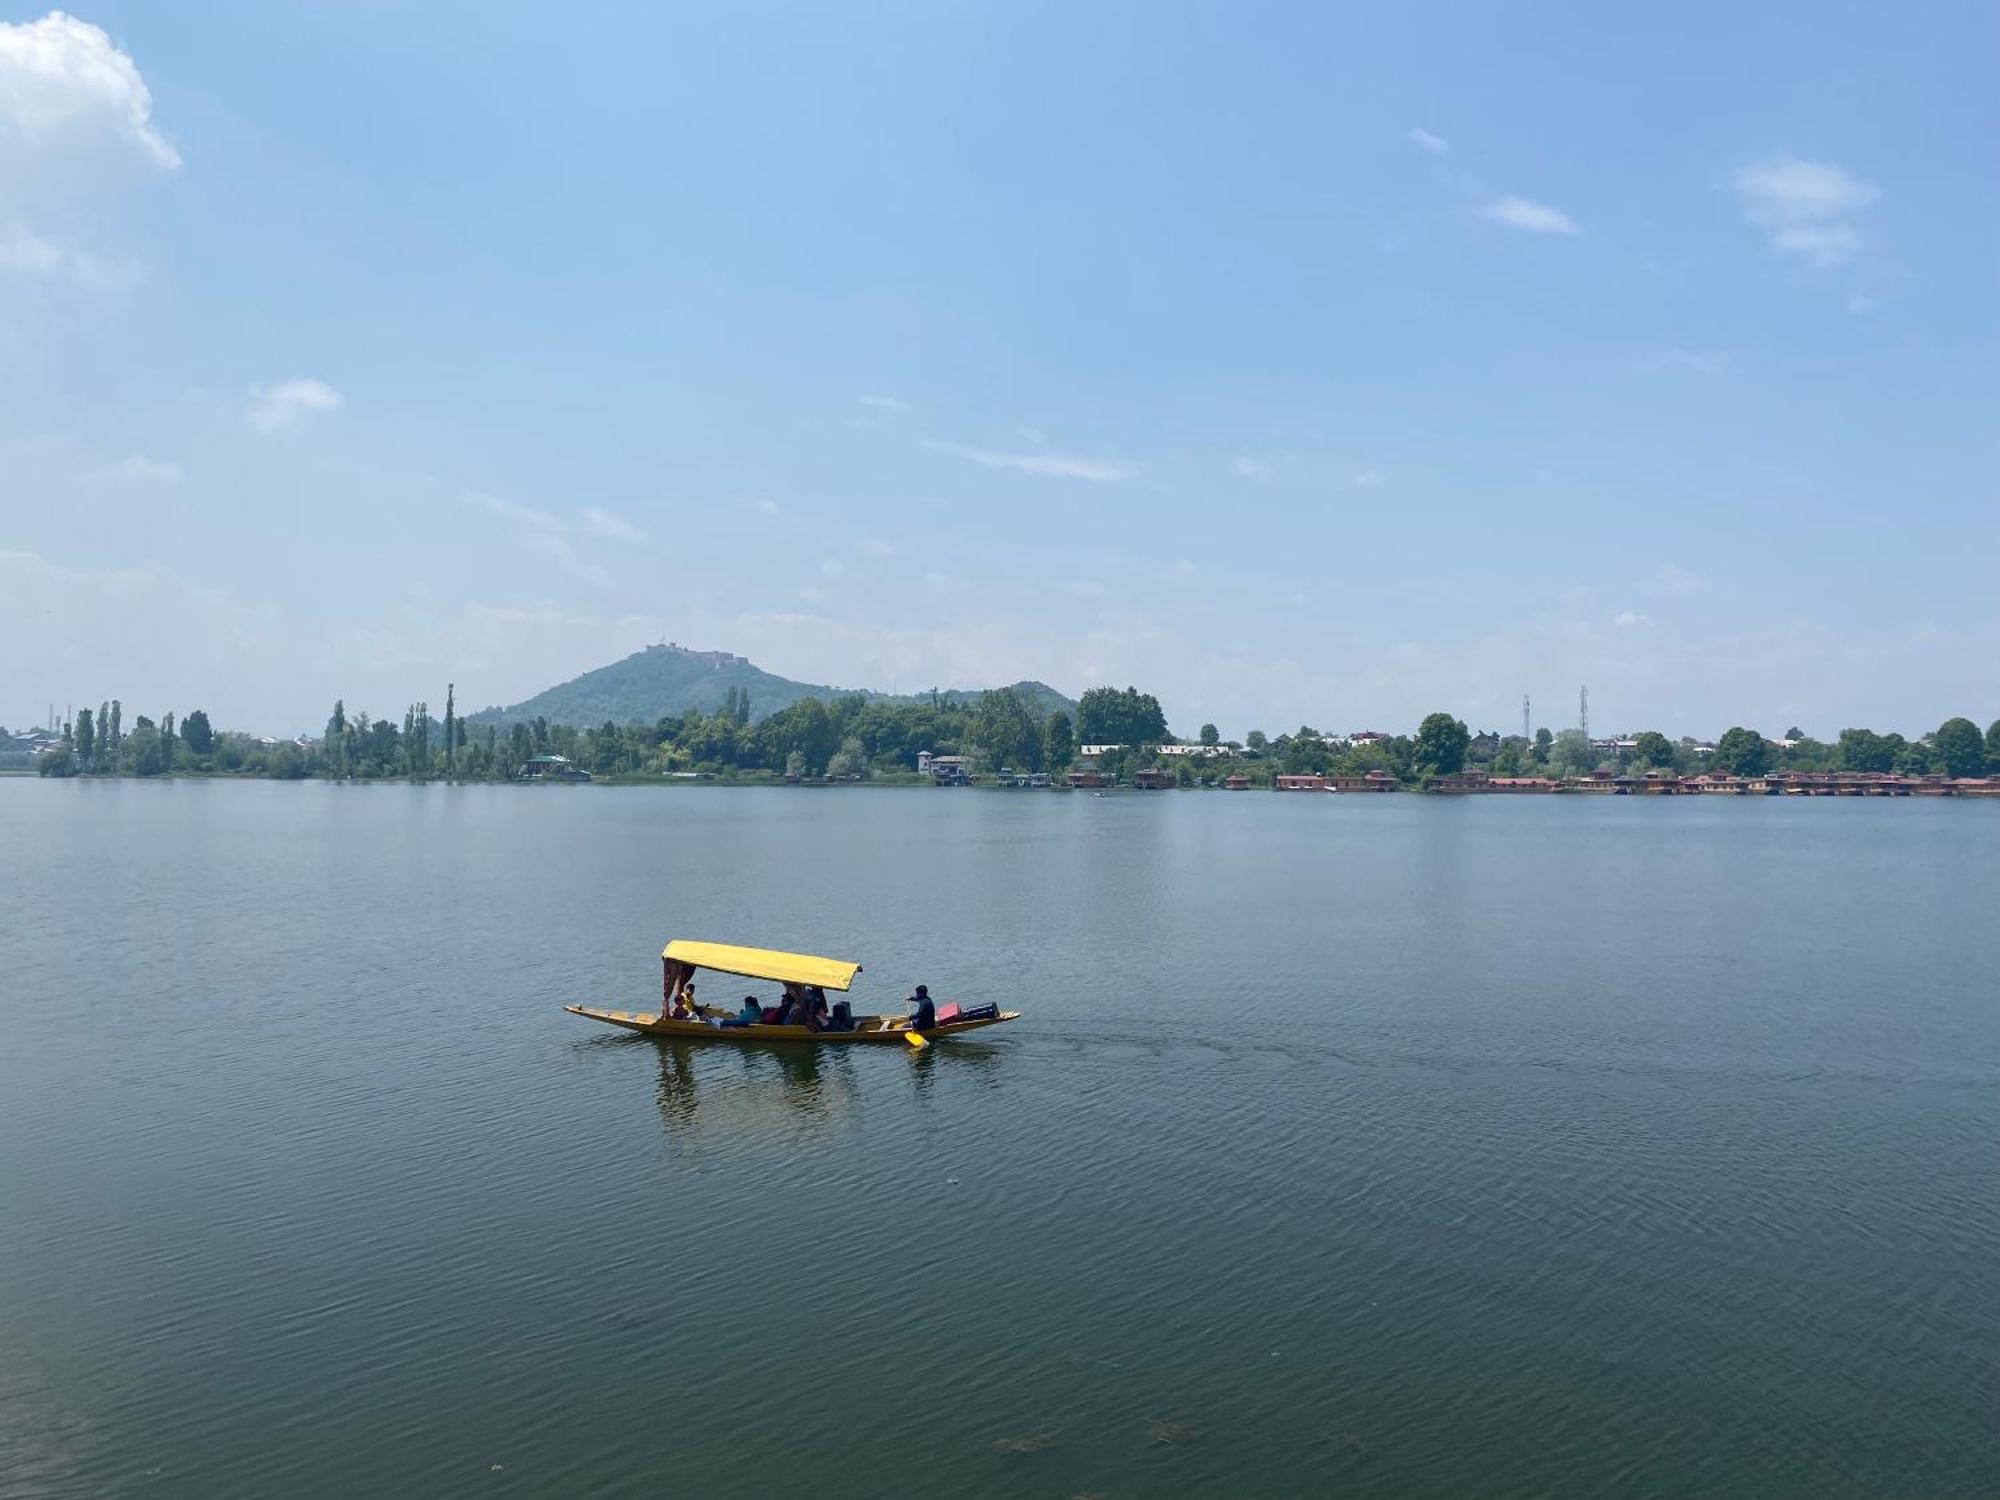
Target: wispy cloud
{"points": [[1524, 213], [1627, 619], [1259, 469], [1805, 208], [610, 525], [887, 405], [274, 408], [525, 515], [831, 567], [1050, 465], [768, 508], [133, 472], [27, 253], [1437, 145], [557, 548], [874, 547], [1370, 479], [1084, 588]]}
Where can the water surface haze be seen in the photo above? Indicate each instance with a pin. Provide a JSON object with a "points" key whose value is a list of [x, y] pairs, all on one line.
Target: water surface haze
{"points": [[1389, 1146]]}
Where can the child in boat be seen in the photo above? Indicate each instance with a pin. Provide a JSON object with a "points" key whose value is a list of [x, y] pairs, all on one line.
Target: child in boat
{"points": [[684, 1008]]}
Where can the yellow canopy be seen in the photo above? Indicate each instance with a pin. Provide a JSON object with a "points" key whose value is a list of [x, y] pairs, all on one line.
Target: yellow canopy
{"points": [[763, 963]]}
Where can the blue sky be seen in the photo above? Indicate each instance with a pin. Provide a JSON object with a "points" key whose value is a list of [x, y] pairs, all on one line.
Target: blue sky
{"points": [[1298, 364]]}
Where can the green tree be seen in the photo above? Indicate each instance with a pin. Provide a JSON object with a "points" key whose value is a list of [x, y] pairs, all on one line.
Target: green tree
{"points": [[1742, 752], [1960, 747], [1652, 749], [196, 732], [1570, 753], [450, 728], [1993, 748], [86, 738], [1865, 750], [59, 761], [1211, 736], [1508, 761], [1058, 743], [1254, 741], [1441, 745], [849, 761], [1106, 716], [1005, 731]]}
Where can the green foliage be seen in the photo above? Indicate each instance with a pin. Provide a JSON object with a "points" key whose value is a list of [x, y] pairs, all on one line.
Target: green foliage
{"points": [[1508, 761], [1441, 744], [1993, 748], [85, 739], [1058, 743], [1865, 750], [1255, 740], [1961, 749], [1106, 716], [1652, 750], [197, 734], [58, 762], [1210, 735], [1742, 752], [1006, 732], [1570, 754]]}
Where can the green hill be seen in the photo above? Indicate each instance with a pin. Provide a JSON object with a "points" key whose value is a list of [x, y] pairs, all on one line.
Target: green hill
{"points": [[662, 680]]}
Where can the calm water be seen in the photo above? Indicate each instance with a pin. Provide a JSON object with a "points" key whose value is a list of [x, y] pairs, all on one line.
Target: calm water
{"points": [[1372, 1146]]}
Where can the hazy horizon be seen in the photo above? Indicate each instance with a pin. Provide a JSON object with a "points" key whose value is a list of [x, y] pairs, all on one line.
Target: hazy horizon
{"points": [[1295, 366]]}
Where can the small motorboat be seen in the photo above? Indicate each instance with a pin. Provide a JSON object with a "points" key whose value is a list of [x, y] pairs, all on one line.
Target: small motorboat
{"points": [[682, 959]]}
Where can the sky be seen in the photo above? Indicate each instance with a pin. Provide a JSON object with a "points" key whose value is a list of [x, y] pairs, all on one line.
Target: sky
{"points": [[1300, 364]]}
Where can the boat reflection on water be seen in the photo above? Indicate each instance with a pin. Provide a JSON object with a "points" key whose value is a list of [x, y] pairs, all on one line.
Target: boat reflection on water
{"points": [[750, 1093]]}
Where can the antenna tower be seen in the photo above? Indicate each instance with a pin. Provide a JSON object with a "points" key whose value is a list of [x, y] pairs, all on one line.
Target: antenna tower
{"points": [[1583, 710], [1526, 732]]}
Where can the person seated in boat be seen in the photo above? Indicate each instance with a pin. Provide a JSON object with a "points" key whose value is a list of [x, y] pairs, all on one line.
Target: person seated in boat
{"points": [[817, 1008], [684, 1007], [926, 1013], [750, 1015], [792, 1008]]}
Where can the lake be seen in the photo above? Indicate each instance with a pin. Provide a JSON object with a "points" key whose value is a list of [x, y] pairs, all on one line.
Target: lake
{"points": [[1385, 1146]]}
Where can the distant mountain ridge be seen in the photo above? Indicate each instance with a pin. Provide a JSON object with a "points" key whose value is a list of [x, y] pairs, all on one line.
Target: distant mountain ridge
{"points": [[671, 679]]}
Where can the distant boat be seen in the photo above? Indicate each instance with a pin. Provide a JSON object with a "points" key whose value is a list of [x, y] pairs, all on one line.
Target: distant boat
{"points": [[681, 959]]}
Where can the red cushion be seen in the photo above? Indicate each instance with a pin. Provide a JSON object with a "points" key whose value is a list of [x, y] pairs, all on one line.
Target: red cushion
{"points": [[947, 1013]]}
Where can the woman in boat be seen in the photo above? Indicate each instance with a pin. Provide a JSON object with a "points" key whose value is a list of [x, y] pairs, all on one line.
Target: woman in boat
{"points": [[750, 1015]]}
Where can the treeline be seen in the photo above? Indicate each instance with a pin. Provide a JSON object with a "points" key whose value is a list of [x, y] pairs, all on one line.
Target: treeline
{"points": [[846, 738], [853, 738]]}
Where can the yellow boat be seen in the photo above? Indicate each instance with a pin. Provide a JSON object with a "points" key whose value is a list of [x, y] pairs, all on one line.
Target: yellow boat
{"points": [[681, 959]]}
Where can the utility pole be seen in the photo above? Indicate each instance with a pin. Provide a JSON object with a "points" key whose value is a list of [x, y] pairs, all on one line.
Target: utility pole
{"points": [[1583, 709]]}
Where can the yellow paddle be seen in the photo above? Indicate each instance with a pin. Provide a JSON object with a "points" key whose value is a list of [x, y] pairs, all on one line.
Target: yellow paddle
{"points": [[915, 1039]]}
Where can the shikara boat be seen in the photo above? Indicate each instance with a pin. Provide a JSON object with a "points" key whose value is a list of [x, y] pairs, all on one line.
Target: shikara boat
{"points": [[681, 959]]}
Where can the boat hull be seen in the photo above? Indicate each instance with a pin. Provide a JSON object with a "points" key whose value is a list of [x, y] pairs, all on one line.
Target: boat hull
{"points": [[878, 1030]]}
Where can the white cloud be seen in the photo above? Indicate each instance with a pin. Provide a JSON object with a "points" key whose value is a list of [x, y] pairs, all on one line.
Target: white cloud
{"points": [[888, 405], [1050, 465], [1437, 145], [875, 547], [133, 471], [27, 253], [1858, 305], [1805, 207], [610, 525], [1522, 213], [1256, 468], [831, 567], [769, 508], [1370, 479], [65, 86], [1626, 619], [556, 547], [277, 407], [525, 515]]}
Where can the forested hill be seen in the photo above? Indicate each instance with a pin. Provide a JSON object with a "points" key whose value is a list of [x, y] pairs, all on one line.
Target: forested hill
{"points": [[660, 680]]}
